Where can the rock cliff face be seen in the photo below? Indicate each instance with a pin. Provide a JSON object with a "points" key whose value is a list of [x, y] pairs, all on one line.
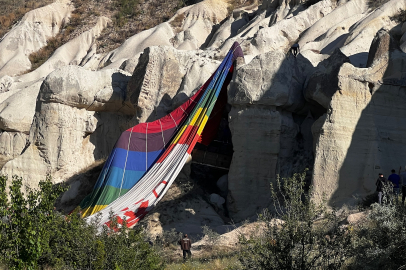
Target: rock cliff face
{"points": [[362, 134], [336, 108]]}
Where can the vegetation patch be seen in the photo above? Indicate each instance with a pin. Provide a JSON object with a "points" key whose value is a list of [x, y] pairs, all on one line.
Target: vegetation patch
{"points": [[374, 4], [301, 234], [76, 20], [178, 20], [400, 18], [33, 235]]}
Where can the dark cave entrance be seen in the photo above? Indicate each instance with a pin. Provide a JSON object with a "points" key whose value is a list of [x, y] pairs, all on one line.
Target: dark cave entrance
{"points": [[212, 162]]}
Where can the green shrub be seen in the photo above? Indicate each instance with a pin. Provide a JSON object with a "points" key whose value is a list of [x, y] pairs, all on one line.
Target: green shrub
{"points": [[33, 235], [212, 237], [301, 240], [381, 240], [126, 9], [373, 4]]}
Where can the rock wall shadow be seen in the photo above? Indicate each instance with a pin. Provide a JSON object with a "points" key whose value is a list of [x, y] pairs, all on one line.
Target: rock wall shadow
{"points": [[112, 122], [378, 141]]}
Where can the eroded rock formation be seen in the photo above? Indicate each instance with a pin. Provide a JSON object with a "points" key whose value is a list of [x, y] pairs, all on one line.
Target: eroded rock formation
{"points": [[336, 109]]}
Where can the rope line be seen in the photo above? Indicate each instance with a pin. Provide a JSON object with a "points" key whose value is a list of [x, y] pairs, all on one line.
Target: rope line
{"points": [[146, 148], [174, 120], [162, 133], [125, 164]]}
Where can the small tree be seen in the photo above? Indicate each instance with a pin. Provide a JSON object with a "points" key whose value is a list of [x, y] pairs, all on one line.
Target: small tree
{"points": [[26, 219], [212, 237], [33, 235], [307, 237]]}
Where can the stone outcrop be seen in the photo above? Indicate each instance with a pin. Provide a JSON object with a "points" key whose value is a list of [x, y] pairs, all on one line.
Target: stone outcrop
{"points": [[30, 35], [261, 118], [335, 109], [73, 52], [78, 118], [164, 78], [187, 30], [361, 134], [323, 83]]}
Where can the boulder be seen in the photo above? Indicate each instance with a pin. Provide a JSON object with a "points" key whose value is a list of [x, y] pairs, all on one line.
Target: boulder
{"points": [[323, 83], [357, 218], [217, 200], [164, 78], [222, 184], [271, 79], [93, 90], [78, 118]]}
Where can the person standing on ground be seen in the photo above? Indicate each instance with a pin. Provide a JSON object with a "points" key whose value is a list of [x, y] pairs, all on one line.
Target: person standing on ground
{"points": [[380, 183], [185, 245], [395, 179], [403, 182]]}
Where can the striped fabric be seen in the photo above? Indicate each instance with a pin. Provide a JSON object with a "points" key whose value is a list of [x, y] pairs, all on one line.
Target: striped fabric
{"points": [[148, 157]]}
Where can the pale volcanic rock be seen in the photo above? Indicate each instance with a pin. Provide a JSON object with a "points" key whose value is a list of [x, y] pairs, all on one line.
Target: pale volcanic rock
{"points": [[79, 116], [249, 178], [187, 30], [132, 47], [71, 53], [283, 34], [263, 93], [271, 79], [94, 90], [276, 99], [164, 78], [11, 145], [30, 35], [323, 83], [345, 13], [362, 133], [198, 23], [356, 46]]}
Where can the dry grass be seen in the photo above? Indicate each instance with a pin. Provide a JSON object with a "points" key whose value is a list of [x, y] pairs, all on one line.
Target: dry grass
{"points": [[400, 18], [373, 4], [129, 18], [12, 11], [216, 260], [235, 4], [77, 20], [178, 20]]}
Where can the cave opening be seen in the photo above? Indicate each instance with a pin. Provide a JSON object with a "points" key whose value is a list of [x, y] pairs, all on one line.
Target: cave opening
{"points": [[211, 163]]}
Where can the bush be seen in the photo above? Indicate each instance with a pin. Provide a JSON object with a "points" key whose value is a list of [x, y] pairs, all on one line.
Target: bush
{"points": [[33, 235], [381, 240], [374, 4], [301, 240], [400, 18], [212, 237]]}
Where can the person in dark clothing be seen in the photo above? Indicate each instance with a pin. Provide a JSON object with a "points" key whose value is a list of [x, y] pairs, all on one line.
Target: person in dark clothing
{"points": [[295, 49], [380, 183], [185, 245], [395, 179], [403, 184]]}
